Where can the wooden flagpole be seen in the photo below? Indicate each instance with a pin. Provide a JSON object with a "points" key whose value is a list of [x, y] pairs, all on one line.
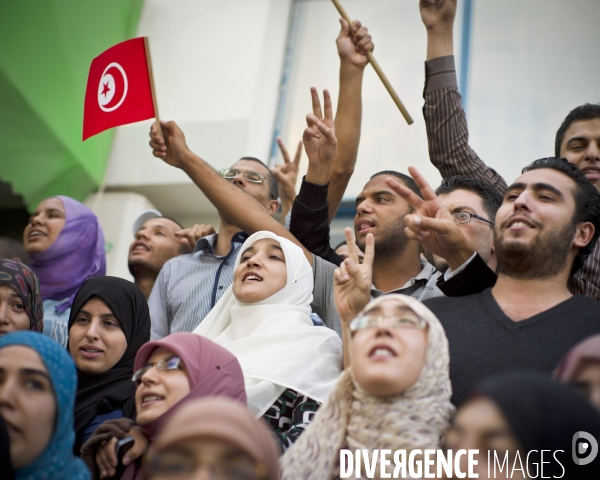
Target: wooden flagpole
{"points": [[377, 68], [151, 76]]}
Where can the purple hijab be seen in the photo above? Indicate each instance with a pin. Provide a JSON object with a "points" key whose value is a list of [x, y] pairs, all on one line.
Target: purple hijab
{"points": [[75, 256]]}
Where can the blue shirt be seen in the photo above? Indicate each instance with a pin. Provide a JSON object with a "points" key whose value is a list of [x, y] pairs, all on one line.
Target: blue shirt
{"points": [[188, 286], [98, 420], [56, 324]]}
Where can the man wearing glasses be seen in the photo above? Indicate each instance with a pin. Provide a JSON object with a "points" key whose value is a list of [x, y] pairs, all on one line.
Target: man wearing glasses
{"points": [[189, 286], [473, 205]]}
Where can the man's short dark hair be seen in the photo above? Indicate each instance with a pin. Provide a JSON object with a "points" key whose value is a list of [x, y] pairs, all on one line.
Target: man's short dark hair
{"points": [[183, 249], [11, 248], [587, 201], [587, 111], [272, 181], [173, 220], [490, 198], [406, 180], [341, 244]]}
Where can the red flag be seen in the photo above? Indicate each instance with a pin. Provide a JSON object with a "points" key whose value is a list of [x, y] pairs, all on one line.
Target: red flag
{"points": [[119, 88]]}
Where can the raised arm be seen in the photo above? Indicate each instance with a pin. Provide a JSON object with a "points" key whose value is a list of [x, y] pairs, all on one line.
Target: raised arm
{"points": [[352, 48], [319, 139], [445, 119], [309, 219]]}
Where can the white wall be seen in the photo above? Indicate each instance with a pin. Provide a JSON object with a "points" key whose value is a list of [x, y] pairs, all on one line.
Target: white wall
{"points": [[217, 68], [218, 65], [532, 61]]}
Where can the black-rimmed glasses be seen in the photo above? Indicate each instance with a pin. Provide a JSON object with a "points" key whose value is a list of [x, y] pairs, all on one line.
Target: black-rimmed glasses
{"points": [[465, 217]]}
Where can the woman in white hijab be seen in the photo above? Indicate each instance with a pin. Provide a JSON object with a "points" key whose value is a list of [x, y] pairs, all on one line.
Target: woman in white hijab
{"points": [[289, 365], [394, 395]]}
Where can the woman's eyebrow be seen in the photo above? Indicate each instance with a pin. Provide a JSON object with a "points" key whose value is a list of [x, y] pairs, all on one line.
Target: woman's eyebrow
{"points": [[54, 210], [103, 315], [34, 371]]}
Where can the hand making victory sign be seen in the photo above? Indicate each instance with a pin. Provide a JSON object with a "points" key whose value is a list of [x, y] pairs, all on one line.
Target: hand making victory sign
{"points": [[431, 224], [352, 283], [287, 176], [353, 280], [319, 138]]}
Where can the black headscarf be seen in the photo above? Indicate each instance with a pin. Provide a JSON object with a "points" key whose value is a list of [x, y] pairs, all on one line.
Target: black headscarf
{"points": [[105, 392], [545, 415], [6, 470]]}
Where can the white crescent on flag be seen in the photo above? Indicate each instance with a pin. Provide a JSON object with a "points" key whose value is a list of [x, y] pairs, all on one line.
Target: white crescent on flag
{"points": [[112, 88]]}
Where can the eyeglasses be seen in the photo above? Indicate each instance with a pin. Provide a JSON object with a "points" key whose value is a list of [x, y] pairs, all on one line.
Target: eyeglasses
{"points": [[254, 177], [164, 365], [465, 217], [396, 321], [176, 465]]}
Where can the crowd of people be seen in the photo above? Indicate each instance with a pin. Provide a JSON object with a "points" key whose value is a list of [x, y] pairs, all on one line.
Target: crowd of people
{"points": [[460, 317]]}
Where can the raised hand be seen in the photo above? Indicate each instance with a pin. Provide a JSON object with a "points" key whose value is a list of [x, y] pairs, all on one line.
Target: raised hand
{"points": [[287, 174], [172, 148], [431, 224], [319, 138], [353, 280], [353, 45], [189, 236], [438, 14]]}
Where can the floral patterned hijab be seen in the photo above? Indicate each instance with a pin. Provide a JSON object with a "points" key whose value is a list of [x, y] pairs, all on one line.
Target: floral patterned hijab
{"points": [[25, 283]]}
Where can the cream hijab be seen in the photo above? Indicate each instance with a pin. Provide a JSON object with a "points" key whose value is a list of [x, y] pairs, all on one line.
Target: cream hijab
{"points": [[354, 419], [275, 340]]}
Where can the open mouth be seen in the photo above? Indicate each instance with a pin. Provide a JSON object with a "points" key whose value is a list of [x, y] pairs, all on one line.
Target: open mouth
{"points": [[251, 277], [364, 225], [151, 398], [381, 352], [592, 173], [36, 234], [89, 351], [519, 223], [139, 247]]}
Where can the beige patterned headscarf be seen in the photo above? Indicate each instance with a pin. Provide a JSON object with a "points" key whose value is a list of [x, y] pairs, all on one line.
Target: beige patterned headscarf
{"points": [[354, 419]]}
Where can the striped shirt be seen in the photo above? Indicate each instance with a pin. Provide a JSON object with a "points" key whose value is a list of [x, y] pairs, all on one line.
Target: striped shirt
{"points": [[188, 286], [450, 153]]}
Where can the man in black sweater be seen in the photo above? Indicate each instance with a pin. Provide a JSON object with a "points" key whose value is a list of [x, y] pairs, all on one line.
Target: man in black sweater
{"points": [[546, 227]]}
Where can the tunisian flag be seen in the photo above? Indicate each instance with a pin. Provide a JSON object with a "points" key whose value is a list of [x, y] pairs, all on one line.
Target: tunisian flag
{"points": [[119, 88]]}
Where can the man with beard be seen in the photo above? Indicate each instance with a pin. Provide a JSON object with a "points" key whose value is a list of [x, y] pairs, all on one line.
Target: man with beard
{"points": [[156, 241], [577, 139], [380, 212], [547, 225]]}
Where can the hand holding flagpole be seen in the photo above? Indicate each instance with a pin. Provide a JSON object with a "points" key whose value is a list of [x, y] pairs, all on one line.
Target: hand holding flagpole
{"points": [[377, 68]]}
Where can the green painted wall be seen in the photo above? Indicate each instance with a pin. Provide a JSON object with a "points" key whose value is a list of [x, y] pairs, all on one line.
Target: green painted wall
{"points": [[46, 47]]}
